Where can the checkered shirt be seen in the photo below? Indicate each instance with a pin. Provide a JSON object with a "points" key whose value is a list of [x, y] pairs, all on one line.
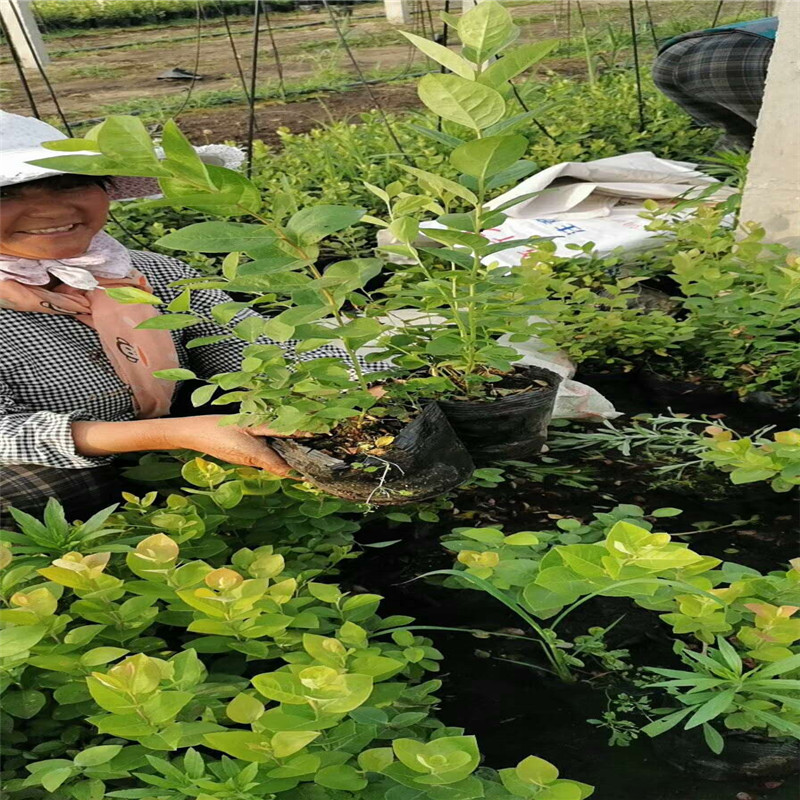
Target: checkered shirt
{"points": [[53, 370], [718, 78]]}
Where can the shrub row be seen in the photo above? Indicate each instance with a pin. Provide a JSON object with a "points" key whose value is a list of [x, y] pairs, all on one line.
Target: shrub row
{"points": [[58, 14]]}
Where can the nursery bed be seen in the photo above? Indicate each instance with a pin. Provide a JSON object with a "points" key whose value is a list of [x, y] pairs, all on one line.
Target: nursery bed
{"points": [[516, 709]]}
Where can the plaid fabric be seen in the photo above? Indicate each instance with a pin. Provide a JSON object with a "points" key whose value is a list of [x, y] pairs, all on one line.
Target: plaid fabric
{"points": [[54, 371], [81, 491], [718, 79]]}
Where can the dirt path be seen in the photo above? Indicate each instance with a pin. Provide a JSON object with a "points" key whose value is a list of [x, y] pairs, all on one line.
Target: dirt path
{"points": [[220, 124]]}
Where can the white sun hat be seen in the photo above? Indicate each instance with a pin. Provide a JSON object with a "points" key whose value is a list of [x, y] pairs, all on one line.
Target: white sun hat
{"points": [[21, 140]]}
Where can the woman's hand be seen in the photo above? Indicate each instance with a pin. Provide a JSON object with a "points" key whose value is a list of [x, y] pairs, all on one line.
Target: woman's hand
{"points": [[242, 446]]}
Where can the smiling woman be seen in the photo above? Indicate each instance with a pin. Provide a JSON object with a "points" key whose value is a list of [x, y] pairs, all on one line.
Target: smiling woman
{"points": [[52, 218], [84, 377]]}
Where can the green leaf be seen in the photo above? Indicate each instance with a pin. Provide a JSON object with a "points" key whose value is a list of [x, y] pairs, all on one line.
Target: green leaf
{"points": [[244, 709], [353, 274], [23, 704], [230, 194], [276, 329], [485, 29], [326, 592], [459, 100], [102, 655], [561, 790], [52, 780], [522, 539], [376, 759], [446, 760], [473, 241], [713, 739], [255, 273], [514, 174], [310, 225], [193, 764], [536, 771], [712, 708], [342, 777], [182, 302], [176, 374], [250, 328], [514, 62], [218, 237], [169, 322], [163, 707], [484, 158], [14, 641], [225, 312], [203, 395], [202, 341], [750, 475], [229, 495], [180, 157], [665, 723], [94, 756], [437, 136], [780, 667], [441, 185], [360, 331], [404, 229], [71, 145], [729, 654], [131, 295], [449, 19], [54, 517], [442, 55], [97, 165], [246, 745], [125, 139], [369, 716], [659, 513]]}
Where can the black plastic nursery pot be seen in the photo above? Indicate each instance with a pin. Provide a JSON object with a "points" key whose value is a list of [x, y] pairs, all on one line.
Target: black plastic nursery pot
{"points": [[510, 427], [746, 755], [426, 459]]}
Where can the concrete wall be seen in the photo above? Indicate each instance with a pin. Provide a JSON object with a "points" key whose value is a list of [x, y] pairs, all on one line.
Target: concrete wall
{"points": [[772, 191], [398, 12]]}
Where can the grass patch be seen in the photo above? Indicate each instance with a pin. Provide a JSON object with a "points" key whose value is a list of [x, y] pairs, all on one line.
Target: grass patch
{"points": [[94, 71]]}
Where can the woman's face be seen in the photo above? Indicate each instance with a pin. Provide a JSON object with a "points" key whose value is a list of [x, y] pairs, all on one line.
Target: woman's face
{"points": [[51, 221]]}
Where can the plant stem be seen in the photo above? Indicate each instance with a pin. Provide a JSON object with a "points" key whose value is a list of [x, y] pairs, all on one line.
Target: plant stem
{"points": [[552, 653], [472, 320]]}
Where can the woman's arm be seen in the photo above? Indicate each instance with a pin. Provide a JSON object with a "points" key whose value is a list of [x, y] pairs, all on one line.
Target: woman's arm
{"points": [[205, 434], [28, 436]]}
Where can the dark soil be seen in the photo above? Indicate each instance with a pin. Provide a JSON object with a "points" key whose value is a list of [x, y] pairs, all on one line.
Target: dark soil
{"points": [[351, 443], [516, 710], [514, 383], [300, 116]]}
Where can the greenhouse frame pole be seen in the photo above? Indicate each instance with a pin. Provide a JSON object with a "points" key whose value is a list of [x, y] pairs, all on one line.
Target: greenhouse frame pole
{"points": [[772, 191], [22, 29]]}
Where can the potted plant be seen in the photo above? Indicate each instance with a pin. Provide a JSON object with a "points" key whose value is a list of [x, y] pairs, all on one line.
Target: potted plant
{"points": [[360, 448], [456, 302]]}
